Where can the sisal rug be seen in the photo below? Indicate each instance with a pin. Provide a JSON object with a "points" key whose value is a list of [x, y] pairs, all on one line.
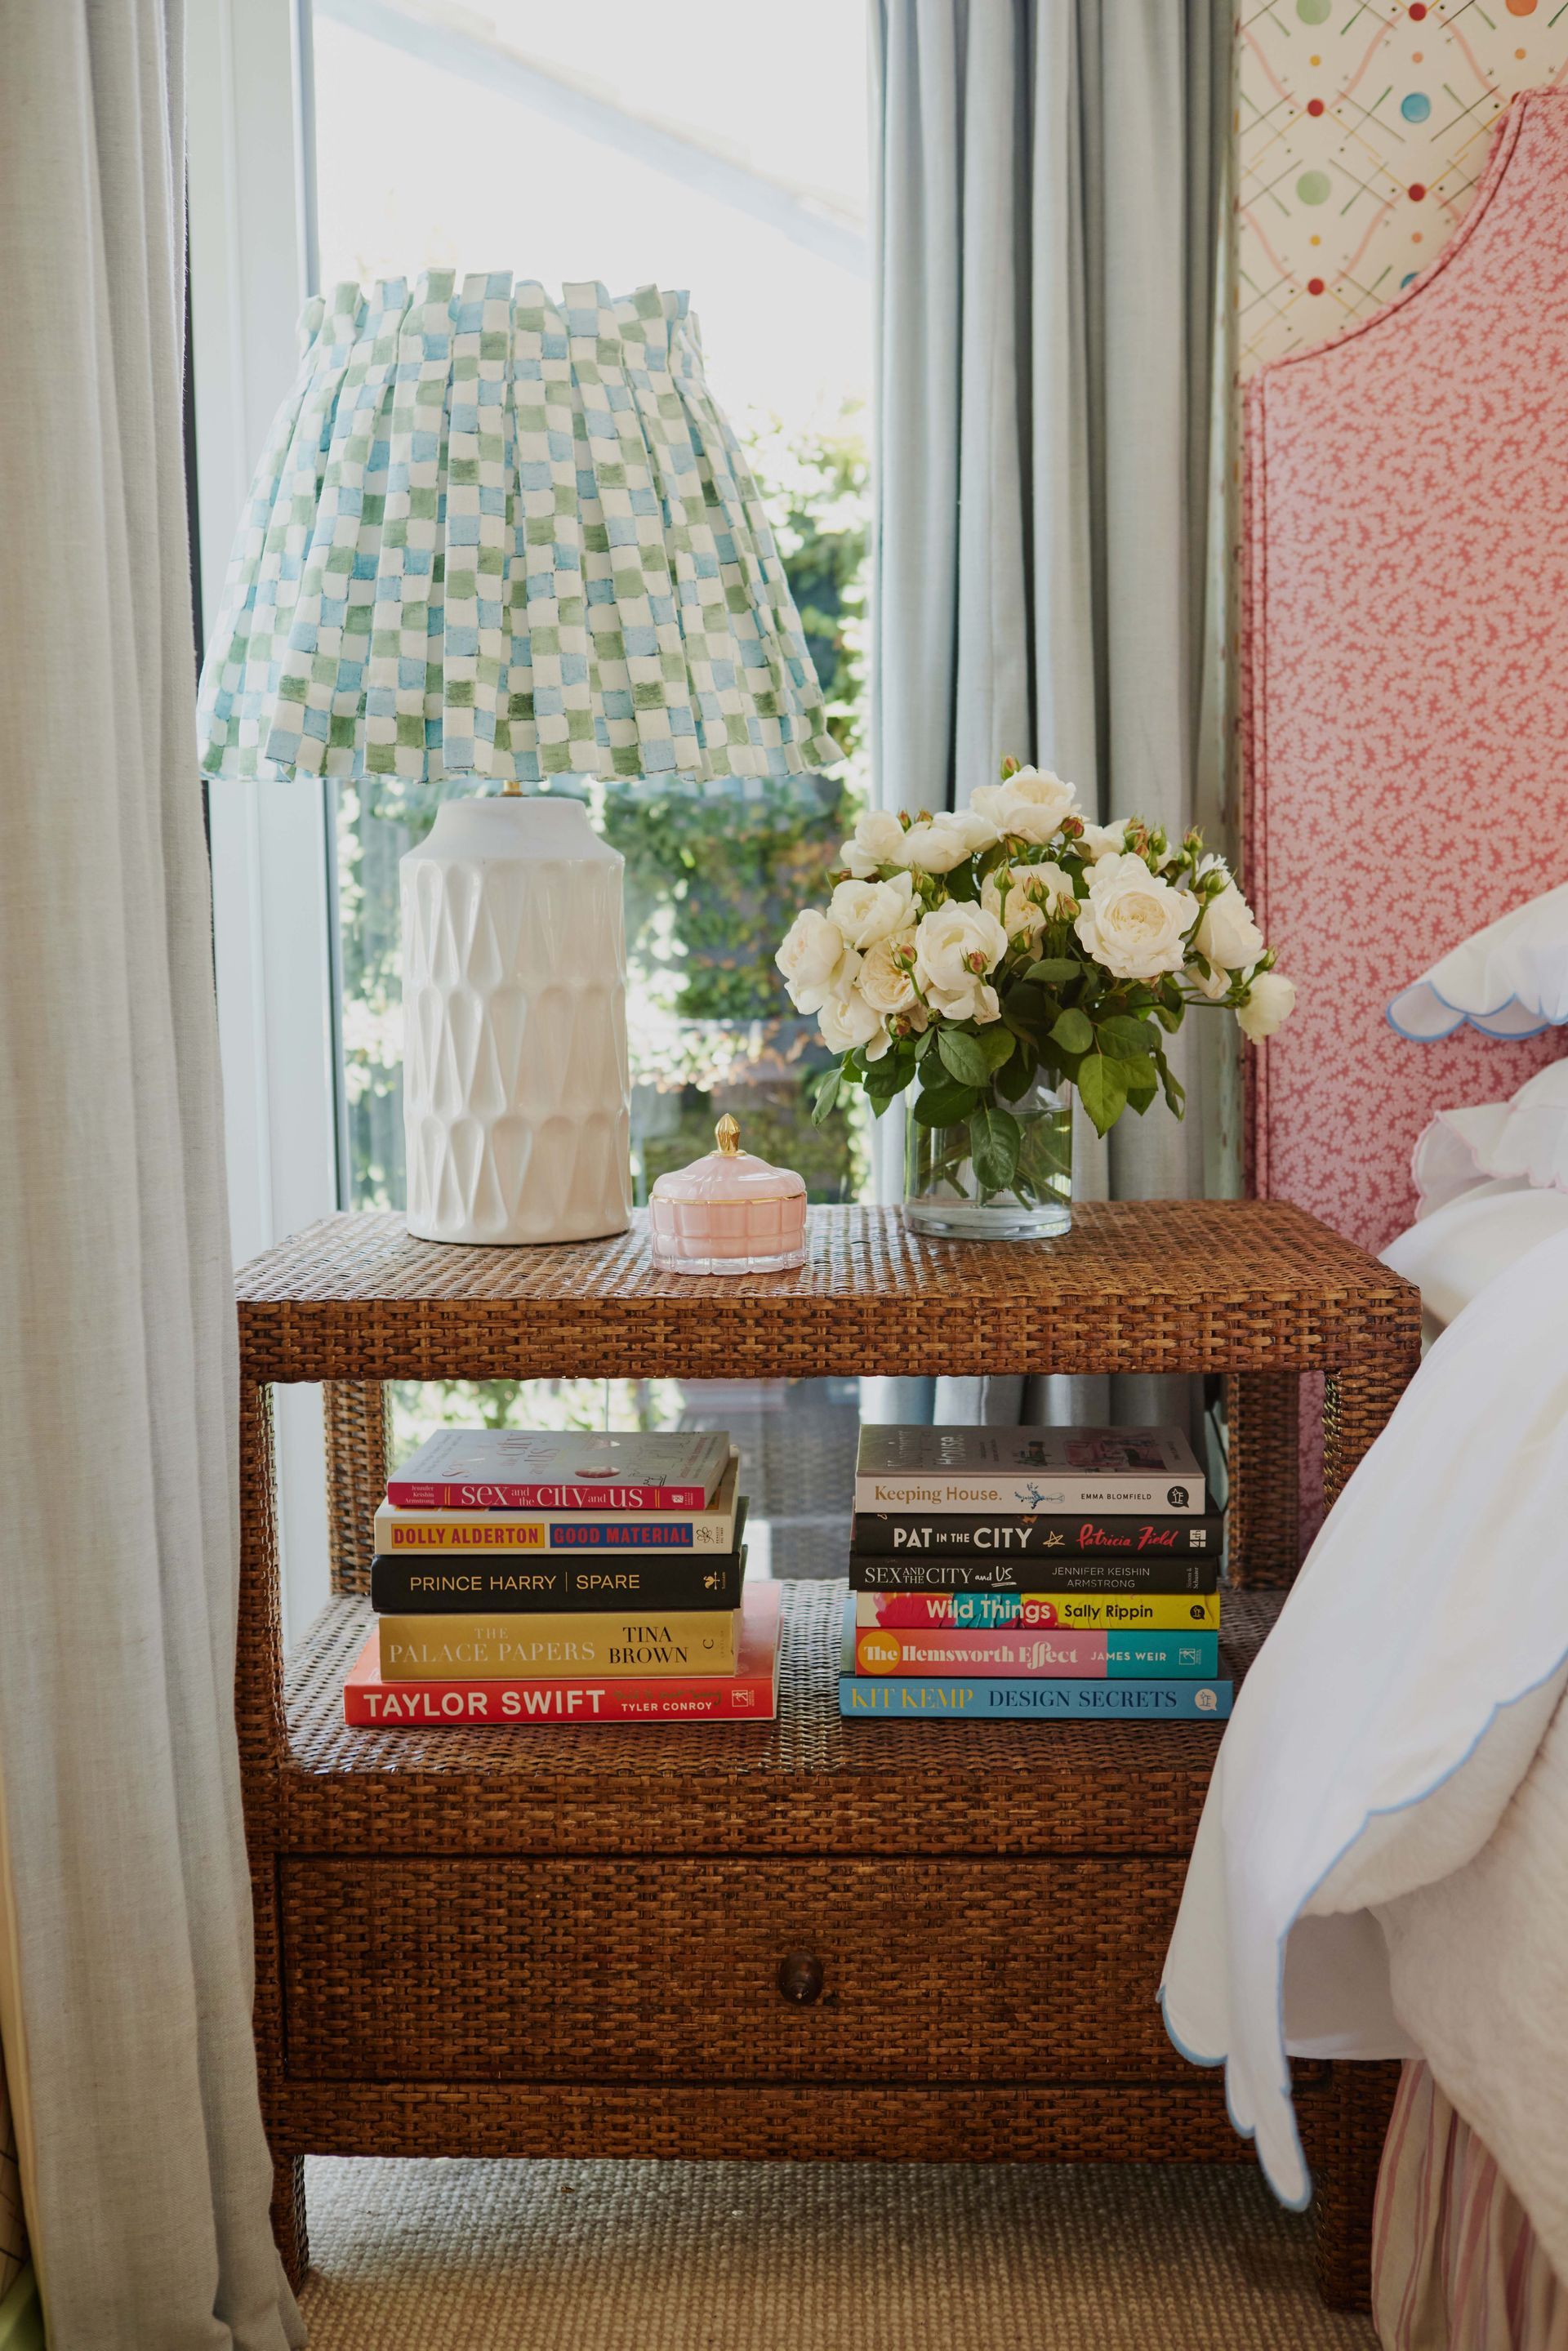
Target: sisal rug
{"points": [[612, 2256]]}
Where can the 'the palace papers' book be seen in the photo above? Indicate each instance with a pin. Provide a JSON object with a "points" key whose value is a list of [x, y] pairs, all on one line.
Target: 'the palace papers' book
{"points": [[548, 1469], [969, 1472], [749, 1695], [495, 1648]]}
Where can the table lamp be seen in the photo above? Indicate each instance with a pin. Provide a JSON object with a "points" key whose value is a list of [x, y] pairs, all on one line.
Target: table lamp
{"points": [[497, 544]]}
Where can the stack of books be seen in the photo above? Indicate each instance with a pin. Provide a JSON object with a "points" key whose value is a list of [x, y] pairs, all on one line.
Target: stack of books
{"points": [[1036, 1574], [524, 1576]]}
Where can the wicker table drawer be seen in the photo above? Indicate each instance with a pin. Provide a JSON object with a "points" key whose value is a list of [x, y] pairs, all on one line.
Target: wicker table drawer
{"points": [[592, 1969]]}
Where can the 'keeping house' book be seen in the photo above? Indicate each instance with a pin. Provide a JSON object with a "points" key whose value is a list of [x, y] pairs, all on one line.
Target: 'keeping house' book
{"points": [[548, 1469], [967, 1472]]}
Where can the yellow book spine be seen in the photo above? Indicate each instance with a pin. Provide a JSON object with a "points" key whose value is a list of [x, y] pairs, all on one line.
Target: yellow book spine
{"points": [[1079, 1611], [494, 1648]]}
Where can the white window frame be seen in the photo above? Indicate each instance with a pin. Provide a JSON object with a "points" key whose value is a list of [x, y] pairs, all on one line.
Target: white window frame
{"points": [[252, 261]]}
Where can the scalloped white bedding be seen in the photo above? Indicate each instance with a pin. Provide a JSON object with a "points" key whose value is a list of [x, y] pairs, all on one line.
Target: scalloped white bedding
{"points": [[1381, 1867]]}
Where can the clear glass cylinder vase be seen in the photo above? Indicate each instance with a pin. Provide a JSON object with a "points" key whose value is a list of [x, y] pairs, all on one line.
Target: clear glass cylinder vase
{"points": [[1005, 1176]]}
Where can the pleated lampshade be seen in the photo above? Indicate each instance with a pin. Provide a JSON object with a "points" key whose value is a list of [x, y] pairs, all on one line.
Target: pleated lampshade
{"points": [[498, 538], [497, 535]]}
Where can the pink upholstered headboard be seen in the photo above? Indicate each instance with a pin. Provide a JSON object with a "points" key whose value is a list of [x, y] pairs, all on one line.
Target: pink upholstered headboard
{"points": [[1405, 678]]}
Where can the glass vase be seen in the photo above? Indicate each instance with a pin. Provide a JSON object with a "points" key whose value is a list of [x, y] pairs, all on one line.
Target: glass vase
{"points": [[945, 1193]]}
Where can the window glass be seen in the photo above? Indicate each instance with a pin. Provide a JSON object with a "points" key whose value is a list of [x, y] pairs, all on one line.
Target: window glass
{"points": [[569, 144]]}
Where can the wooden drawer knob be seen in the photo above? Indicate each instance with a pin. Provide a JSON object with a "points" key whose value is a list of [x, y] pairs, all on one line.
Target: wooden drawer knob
{"points": [[800, 1978]]}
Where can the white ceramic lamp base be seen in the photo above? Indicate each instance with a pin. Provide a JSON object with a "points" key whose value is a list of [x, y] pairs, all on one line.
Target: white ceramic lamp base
{"points": [[517, 1097]]}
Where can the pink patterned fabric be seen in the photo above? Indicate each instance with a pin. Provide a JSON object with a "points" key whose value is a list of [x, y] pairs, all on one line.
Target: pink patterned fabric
{"points": [[1405, 663], [1456, 2265]]}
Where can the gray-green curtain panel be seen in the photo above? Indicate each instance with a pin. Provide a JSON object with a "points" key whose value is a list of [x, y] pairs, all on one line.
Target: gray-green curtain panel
{"points": [[1047, 183], [128, 2002]]}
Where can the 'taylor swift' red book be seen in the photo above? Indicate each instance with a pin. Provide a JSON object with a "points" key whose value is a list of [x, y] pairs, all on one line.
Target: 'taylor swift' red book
{"points": [[749, 1695], [561, 1470]]}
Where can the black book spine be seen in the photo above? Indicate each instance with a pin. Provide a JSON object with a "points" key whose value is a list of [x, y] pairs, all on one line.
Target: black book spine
{"points": [[521, 1583], [1081, 1533], [907, 1571]]}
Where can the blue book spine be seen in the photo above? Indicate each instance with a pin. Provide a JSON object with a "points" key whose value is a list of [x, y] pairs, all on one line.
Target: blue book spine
{"points": [[865, 1698]]}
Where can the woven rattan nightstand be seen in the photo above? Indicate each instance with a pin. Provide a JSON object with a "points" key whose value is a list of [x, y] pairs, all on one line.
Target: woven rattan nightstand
{"points": [[561, 1942]]}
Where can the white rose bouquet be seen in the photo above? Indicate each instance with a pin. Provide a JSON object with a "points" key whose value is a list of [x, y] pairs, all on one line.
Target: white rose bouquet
{"points": [[976, 952]]}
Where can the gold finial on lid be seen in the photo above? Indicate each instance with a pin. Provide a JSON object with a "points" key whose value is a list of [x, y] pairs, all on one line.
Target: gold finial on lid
{"points": [[727, 1135]]}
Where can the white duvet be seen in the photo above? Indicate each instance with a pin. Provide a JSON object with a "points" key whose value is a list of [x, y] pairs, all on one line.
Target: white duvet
{"points": [[1382, 1866]]}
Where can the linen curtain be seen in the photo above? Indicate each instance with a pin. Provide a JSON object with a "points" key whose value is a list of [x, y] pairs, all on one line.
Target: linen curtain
{"points": [[125, 2004], [1048, 199]]}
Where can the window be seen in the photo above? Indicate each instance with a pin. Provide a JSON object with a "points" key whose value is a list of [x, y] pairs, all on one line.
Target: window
{"points": [[728, 157]]}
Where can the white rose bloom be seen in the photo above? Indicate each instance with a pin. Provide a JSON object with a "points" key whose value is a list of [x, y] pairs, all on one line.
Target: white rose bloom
{"points": [[846, 1020], [975, 1002], [812, 959], [1272, 1002], [936, 844], [1031, 804], [1227, 933], [976, 827], [885, 987], [1216, 986], [1035, 893], [1133, 922], [1105, 840], [955, 945], [868, 911], [878, 840]]}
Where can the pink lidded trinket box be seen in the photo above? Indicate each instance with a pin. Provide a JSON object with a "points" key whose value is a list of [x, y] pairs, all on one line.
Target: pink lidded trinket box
{"points": [[729, 1213]]}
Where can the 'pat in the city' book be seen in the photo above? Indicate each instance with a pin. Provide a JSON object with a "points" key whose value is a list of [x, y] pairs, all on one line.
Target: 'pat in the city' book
{"points": [[964, 1698], [969, 1472], [1074, 1534], [749, 1695], [1036, 1652], [499, 1648], [717, 1529], [1047, 1611], [561, 1470], [413, 1584]]}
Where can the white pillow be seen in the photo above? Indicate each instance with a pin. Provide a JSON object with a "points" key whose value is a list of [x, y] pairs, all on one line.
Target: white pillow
{"points": [[1452, 1254], [1526, 1138], [1510, 980]]}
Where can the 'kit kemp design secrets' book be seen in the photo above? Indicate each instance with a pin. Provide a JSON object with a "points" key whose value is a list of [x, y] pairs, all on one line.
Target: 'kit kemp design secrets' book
{"points": [[545, 1470], [969, 1472]]}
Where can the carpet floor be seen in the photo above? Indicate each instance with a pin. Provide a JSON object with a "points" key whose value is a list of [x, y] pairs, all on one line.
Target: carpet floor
{"points": [[526, 2256]]}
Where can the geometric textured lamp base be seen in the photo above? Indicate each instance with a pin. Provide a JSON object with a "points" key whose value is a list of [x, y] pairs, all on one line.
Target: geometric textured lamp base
{"points": [[517, 1095]]}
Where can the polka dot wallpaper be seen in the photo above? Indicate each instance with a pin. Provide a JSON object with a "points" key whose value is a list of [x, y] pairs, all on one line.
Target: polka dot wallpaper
{"points": [[1362, 128]]}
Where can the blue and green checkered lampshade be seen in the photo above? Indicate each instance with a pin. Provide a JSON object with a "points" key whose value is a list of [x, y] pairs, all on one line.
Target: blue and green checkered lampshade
{"points": [[494, 536]]}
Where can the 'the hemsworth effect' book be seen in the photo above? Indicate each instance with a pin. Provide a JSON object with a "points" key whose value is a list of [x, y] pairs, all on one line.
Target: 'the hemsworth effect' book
{"points": [[971, 1471]]}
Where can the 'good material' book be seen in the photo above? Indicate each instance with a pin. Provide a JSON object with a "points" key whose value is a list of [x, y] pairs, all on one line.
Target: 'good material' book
{"points": [[972, 1472], [749, 1695], [544, 1469]]}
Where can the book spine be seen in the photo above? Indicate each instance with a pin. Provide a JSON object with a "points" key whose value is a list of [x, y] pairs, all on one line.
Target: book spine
{"points": [[913, 1571], [477, 1533], [1008, 1493], [480, 1648], [1077, 1534], [423, 1494], [968, 1701], [1060, 1655], [496, 1584], [1047, 1611], [705, 1699]]}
